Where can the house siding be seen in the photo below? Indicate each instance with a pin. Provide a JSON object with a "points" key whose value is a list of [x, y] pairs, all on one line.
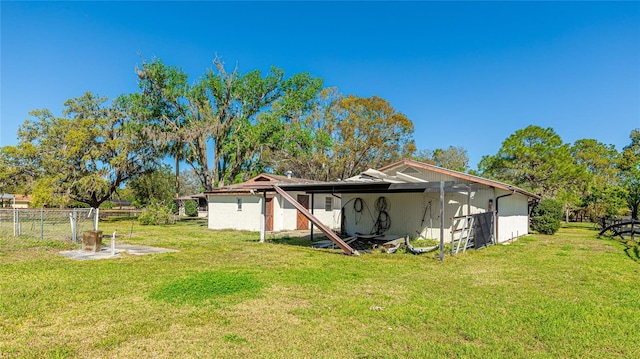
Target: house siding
{"points": [[331, 218], [407, 210], [223, 212], [513, 216]]}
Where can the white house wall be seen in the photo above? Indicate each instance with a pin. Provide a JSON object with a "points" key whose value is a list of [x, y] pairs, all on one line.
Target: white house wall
{"points": [[421, 173], [288, 213], [513, 216], [224, 213], [406, 211], [330, 218]]}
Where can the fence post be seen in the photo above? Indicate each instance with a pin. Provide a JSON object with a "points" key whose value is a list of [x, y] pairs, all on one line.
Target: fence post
{"points": [[16, 223], [42, 224], [75, 225], [95, 219]]}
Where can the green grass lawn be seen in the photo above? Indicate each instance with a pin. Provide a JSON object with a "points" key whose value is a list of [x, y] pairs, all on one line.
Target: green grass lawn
{"points": [[223, 295]]}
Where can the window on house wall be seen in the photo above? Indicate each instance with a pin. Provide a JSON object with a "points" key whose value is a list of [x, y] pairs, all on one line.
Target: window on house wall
{"points": [[328, 204], [239, 202]]}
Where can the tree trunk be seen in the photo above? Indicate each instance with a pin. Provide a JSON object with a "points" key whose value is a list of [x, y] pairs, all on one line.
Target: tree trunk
{"points": [[177, 177]]}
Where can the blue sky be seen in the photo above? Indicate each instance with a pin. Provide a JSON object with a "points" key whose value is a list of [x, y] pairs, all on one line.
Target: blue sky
{"points": [[466, 73]]}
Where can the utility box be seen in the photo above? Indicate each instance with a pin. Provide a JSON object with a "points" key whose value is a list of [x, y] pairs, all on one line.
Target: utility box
{"points": [[92, 240]]}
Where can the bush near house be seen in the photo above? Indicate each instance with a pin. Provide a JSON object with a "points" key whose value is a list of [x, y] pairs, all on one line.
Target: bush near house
{"points": [[155, 214], [546, 216], [191, 208]]}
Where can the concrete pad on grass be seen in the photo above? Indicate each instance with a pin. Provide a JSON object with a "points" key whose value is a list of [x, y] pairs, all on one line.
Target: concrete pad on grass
{"points": [[105, 252]]}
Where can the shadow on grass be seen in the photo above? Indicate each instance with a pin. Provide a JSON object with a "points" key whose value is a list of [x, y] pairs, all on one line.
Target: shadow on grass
{"points": [[631, 248], [197, 221], [632, 251], [303, 241]]}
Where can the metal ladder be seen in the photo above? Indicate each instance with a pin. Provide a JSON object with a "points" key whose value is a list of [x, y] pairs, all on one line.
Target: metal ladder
{"points": [[465, 235]]}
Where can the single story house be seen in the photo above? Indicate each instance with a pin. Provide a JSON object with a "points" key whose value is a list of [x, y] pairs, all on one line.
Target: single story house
{"points": [[242, 206], [15, 200], [405, 198], [201, 200]]}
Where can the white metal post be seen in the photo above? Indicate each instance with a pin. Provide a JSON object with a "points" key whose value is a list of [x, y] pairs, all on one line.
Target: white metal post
{"points": [[442, 221], [113, 244], [42, 224], [263, 215], [15, 222]]}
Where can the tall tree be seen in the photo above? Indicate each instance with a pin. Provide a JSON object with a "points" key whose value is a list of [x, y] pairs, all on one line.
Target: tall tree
{"points": [[161, 107], [16, 176], [232, 116], [453, 158], [189, 183], [598, 159], [90, 151], [629, 165], [349, 135], [601, 196], [153, 186], [536, 159], [47, 194]]}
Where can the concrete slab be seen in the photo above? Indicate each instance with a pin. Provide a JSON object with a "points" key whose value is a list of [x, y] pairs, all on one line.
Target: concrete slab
{"points": [[105, 252]]}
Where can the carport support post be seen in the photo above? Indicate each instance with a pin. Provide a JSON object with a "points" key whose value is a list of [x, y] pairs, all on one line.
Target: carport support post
{"points": [[263, 216], [469, 201], [312, 200], [442, 221]]}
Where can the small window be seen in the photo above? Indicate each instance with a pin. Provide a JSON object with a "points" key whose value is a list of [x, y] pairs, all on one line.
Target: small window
{"points": [[328, 204], [239, 202]]}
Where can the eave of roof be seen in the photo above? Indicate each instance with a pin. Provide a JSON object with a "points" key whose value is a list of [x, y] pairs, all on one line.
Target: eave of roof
{"points": [[464, 176], [377, 187], [257, 184], [365, 186]]}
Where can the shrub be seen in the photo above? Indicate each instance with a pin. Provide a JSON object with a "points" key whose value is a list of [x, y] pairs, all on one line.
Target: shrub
{"points": [[107, 205], [172, 207], [546, 216], [154, 214], [191, 208]]}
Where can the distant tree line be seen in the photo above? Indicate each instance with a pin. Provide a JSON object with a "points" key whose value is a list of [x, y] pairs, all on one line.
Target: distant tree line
{"points": [[228, 126], [587, 175]]}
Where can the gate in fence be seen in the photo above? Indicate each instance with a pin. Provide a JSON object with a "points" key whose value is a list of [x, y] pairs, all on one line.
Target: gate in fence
{"points": [[52, 224]]}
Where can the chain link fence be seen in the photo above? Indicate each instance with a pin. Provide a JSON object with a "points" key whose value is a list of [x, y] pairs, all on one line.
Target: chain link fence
{"points": [[51, 224]]}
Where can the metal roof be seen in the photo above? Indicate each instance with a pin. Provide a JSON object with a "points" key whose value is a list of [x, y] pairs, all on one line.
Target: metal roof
{"points": [[372, 181]]}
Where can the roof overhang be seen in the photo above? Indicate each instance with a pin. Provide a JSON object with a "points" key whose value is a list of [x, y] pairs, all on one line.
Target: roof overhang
{"points": [[372, 181], [462, 176], [378, 187]]}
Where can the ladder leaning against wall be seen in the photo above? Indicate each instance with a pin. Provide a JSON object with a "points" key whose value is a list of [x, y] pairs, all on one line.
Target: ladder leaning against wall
{"points": [[462, 233]]}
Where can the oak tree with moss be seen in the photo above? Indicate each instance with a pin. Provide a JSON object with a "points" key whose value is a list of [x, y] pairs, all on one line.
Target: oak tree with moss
{"points": [[86, 154], [224, 123]]}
